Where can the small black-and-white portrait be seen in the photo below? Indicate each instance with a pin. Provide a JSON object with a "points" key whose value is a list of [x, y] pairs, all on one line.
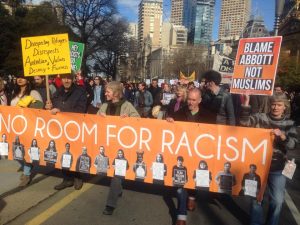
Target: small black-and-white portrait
{"points": [[66, 158], [101, 162], [225, 179], [50, 154], [139, 167], [159, 169], [83, 164], [120, 164], [4, 147], [179, 173], [34, 151], [202, 176], [18, 149]]}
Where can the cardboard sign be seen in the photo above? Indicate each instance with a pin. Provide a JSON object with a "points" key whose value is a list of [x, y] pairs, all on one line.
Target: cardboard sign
{"points": [[76, 49], [46, 55], [256, 65], [216, 144]]}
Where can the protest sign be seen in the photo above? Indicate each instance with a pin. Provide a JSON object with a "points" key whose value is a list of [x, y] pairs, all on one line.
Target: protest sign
{"points": [[76, 50], [46, 55], [256, 65], [224, 65], [158, 139]]}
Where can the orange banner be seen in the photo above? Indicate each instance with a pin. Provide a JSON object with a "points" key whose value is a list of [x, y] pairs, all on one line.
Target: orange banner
{"points": [[141, 140], [256, 65]]}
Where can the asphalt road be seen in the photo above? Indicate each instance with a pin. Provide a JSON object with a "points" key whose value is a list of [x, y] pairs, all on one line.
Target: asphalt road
{"points": [[141, 204]]}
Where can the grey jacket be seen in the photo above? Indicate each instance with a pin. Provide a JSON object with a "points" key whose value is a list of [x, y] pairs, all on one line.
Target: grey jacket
{"points": [[264, 120]]}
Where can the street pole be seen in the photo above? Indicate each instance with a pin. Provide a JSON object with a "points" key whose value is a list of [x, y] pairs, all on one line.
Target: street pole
{"points": [[279, 4]]}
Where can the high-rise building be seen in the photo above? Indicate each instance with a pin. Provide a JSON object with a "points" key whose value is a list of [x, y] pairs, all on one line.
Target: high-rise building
{"points": [[234, 17], [177, 12], [204, 17], [150, 22]]}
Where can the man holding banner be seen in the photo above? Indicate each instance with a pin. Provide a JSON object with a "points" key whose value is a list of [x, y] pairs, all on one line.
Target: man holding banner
{"points": [[69, 98], [285, 139]]}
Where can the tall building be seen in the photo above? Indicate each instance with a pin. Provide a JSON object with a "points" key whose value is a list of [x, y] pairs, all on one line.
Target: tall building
{"points": [[234, 17], [204, 17], [255, 28], [177, 12], [150, 22]]}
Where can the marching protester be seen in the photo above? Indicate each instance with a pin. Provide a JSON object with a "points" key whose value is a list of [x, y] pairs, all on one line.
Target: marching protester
{"points": [[162, 101], [40, 86], [217, 100], [116, 105], [3, 97], [68, 98], [192, 112], [154, 88], [98, 95], [285, 139], [143, 100], [25, 96], [178, 102]]}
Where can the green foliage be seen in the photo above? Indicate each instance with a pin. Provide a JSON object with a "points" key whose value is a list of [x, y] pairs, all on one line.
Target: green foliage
{"points": [[41, 20], [288, 74]]}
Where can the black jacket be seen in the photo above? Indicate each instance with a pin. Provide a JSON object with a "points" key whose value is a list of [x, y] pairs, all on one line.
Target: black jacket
{"points": [[75, 100]]}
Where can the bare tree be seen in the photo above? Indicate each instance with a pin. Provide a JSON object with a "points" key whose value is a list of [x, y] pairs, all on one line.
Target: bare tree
{"points": [[113, 47], [186, 59], [89, 20]]}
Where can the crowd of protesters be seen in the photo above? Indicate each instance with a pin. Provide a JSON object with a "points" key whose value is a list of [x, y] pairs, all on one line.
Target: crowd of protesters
{"points": [[206, 102]]}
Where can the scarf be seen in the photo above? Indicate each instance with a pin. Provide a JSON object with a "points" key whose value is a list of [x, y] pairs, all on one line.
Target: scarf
{"points": [[114, 108]]}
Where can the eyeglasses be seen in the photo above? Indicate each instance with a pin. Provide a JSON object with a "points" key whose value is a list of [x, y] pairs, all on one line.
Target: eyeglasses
{"points": [[96, 79]]}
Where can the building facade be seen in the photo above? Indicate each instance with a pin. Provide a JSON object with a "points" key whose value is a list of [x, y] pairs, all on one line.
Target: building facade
{"points": [[234, 17], [203, 22], [150, 22], [177, 12]]}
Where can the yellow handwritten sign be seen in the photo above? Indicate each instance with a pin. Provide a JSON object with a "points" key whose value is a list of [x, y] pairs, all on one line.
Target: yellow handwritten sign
{"points": [[45, 55]]}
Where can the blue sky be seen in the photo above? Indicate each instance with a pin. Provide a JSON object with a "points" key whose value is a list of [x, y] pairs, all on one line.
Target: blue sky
{"points": [[266, 8]]}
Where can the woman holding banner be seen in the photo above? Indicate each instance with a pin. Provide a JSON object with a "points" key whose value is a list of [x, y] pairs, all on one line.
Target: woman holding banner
{"points": [[285, 139], [116, 105], [24, 96]]}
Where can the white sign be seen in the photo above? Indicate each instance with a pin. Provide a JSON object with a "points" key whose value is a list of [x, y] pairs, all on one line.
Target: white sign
{"points": [[34, 153], [167, 97], [4, 148], [66, 161], [202, 178], [158, 171], [120, 167], [251, 187], [289, 169]]}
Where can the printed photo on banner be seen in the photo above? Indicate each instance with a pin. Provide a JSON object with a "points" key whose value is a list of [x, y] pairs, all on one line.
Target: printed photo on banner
{"points": [[4, 146], [34, 151], [256, 66], [120, 164], [167, 155], [18, 149], [66, 158], [83, 164], [139, 167], [101, 162], [159, 169]]}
